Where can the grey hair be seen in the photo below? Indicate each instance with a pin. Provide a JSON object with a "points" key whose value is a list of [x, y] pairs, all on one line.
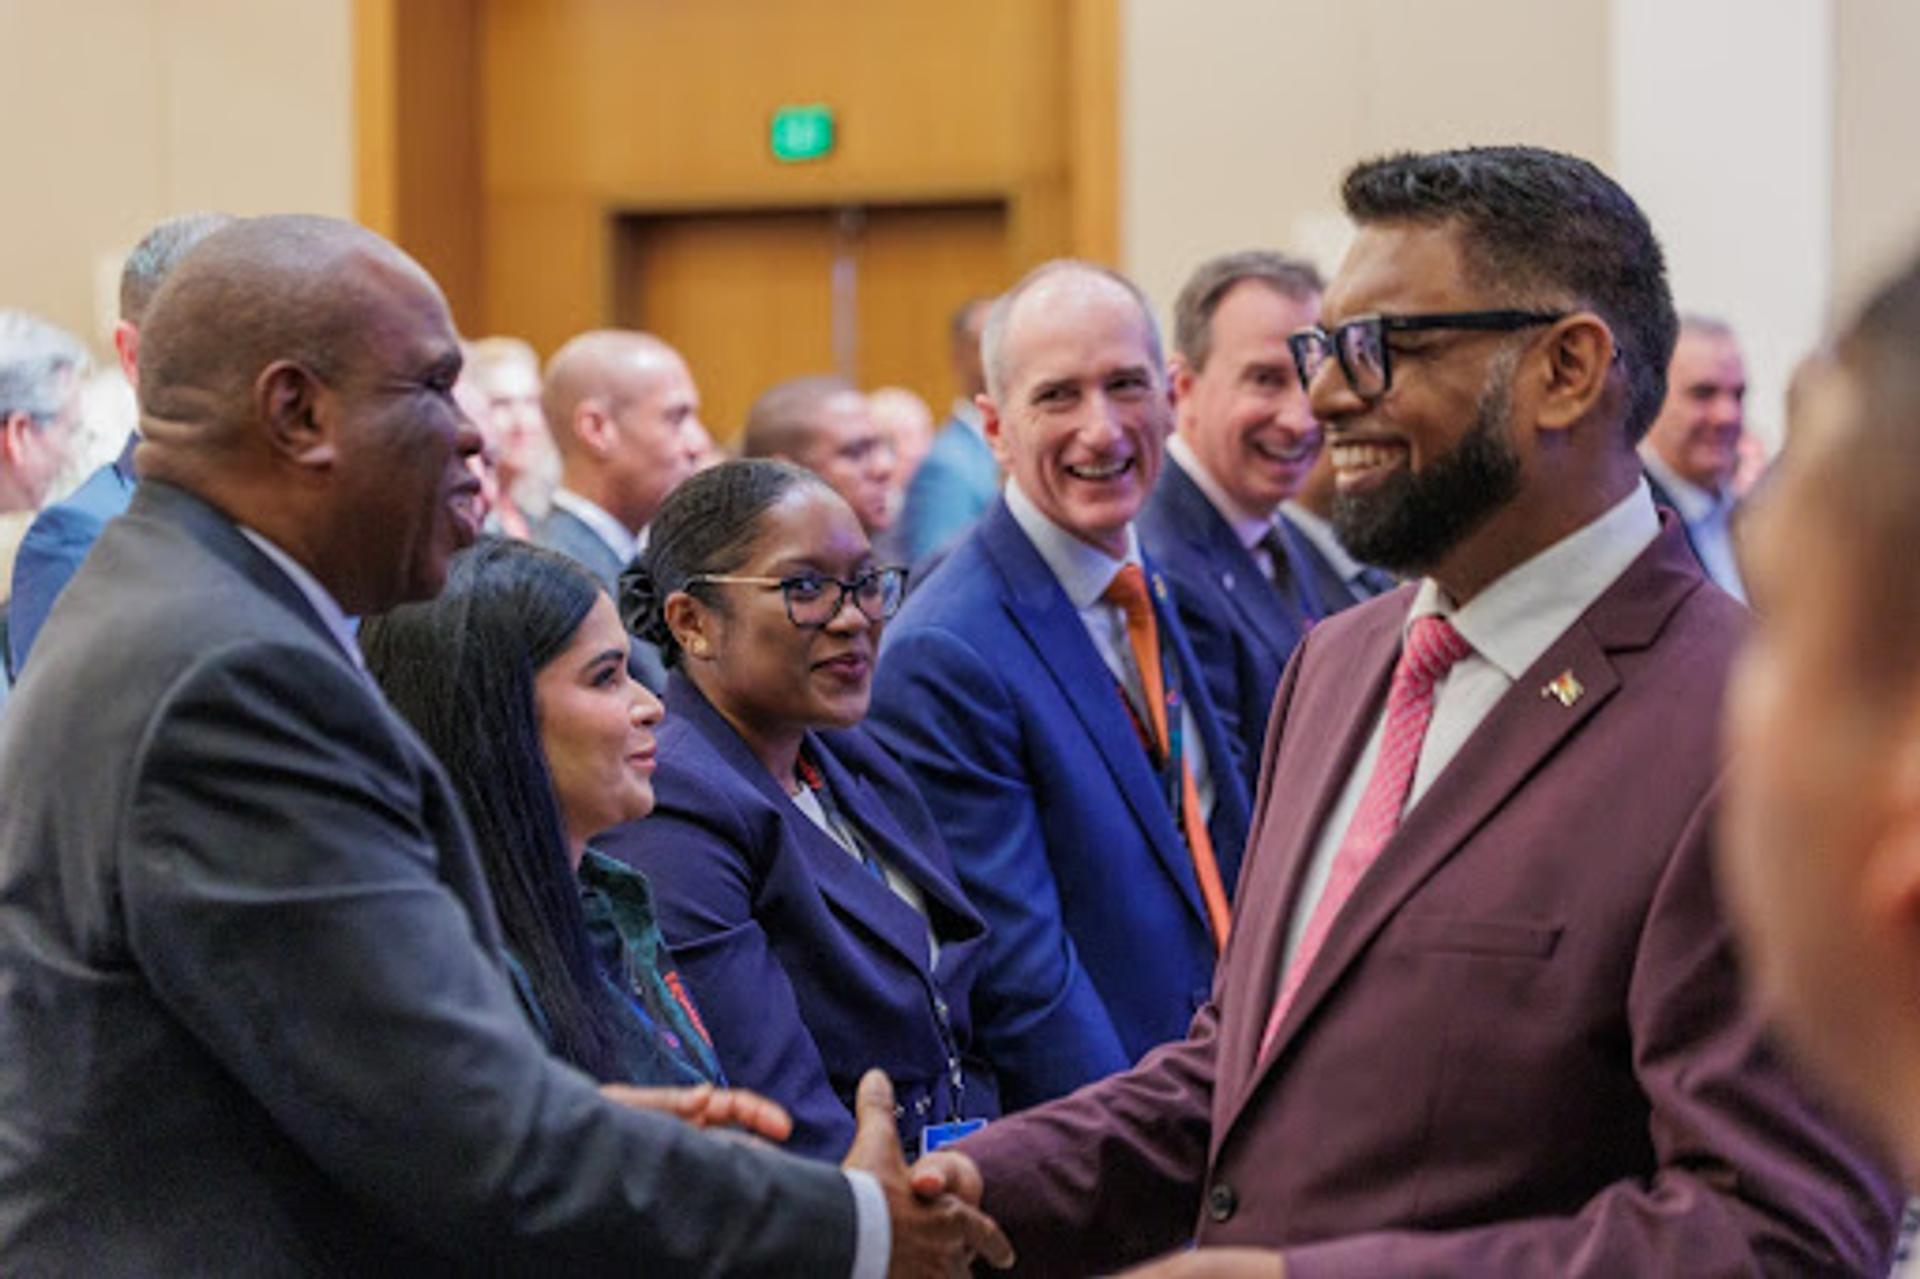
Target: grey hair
{"points": [[1705, 325], [40, 365], [993, 337], [159, 251]]}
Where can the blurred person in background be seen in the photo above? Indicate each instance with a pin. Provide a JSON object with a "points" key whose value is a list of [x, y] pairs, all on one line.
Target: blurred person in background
{"points": [[907, 422], [61, 535], [622, 405], [823, 424], [958, 479], [43, 369], [1693, 449], [800, 879], [506, 373]]}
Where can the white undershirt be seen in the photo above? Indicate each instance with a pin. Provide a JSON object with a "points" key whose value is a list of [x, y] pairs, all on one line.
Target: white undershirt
{"points": [[1509, 624]]}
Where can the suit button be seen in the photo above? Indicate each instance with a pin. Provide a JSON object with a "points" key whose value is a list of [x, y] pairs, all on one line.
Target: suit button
{"points": [[1221, 1201]]}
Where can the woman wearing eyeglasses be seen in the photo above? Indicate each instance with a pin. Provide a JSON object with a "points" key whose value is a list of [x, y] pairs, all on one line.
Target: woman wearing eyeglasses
{"points": [[800, 879]]}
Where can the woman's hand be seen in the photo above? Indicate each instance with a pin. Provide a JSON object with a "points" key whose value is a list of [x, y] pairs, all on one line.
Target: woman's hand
{"points": [[705, 1106]]}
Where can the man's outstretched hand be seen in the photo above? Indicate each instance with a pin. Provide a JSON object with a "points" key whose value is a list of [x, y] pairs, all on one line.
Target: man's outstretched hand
{"points": [[936, 1232]]}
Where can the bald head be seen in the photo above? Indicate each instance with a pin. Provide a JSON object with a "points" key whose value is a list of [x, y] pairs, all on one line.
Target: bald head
{"points": [[259, 291], [625, 413], [1060, 278], [297, 373]]}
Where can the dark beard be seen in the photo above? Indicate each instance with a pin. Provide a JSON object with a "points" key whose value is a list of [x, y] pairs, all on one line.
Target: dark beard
{"points": [[1410, 522]]}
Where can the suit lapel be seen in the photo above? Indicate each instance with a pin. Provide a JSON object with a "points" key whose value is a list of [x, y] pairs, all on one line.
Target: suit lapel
{"points": [[1061, 647], [841, 877], [1524, 729], [1267, 613]]}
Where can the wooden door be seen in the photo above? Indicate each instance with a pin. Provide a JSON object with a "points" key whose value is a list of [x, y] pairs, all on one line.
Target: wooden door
{"points": [[752, 297]]}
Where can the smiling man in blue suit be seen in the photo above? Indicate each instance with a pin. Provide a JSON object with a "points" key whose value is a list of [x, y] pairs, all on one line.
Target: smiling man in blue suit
{"points": [[1040, 690], [1244, 441]]}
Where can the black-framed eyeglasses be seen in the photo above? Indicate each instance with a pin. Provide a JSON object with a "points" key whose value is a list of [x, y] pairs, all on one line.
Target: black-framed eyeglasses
{"points": [[814, 599], [1361, 343]]}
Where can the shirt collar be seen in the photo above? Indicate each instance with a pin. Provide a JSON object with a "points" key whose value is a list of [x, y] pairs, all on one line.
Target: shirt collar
{"points": [[1689, 499], [1246, 526], [1082, 569], [344, 629], [1517, 618], [609, 530]]}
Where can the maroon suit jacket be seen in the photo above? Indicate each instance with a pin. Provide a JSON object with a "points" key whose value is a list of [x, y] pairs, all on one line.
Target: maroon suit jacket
{"points": [[1522, 1049]]}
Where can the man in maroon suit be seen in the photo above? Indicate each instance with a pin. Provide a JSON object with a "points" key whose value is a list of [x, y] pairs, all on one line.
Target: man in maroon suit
{"points": [[1479, 1014]]}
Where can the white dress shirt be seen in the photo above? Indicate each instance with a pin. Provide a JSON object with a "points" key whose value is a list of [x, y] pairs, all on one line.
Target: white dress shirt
{"points": [[873, 1238], [1709, 520], [1084, 572], [1249, 527], [345, 630], [1509, 624], [609, 530]]}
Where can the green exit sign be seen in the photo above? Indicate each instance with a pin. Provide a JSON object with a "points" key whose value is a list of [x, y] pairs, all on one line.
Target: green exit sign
{"points": [[801, 133]]}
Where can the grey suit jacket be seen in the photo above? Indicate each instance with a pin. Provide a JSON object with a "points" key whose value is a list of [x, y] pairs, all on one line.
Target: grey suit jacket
{"points": [[251, 1014], [567, 533]]}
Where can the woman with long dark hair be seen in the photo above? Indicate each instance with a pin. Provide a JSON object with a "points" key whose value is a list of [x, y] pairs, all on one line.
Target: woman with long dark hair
{"points": [[516, 677], [803, 885]]}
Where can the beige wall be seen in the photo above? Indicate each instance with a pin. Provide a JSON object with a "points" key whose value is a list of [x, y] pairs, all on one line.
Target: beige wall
{"points": [[123, 112], [1239, 116], [1876, 176]]}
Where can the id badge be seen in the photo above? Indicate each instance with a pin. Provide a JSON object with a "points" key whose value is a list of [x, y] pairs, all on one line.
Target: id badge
{"points": [[934, 1136]]}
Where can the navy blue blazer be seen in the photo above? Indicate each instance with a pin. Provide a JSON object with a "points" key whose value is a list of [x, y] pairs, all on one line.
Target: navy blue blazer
{"points": [[55, 543], [1242, 626], [806, 968], [992, 694]]}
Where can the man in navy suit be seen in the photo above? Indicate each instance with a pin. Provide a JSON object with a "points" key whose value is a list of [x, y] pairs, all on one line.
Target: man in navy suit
{"points": [[1099, 848], [61, 535], [1692, 450], [1244, 441], [625, 416]]}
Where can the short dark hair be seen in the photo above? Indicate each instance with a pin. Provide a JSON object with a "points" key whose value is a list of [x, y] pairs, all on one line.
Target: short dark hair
{"points": [[1548, 229], [149, 261], [708, 524], [1200, 297], [460, 668], [781, 421]]}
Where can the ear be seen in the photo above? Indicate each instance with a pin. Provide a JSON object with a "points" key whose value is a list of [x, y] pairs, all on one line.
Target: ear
{"points": [[994, 429], [295, 406], [1890, 886], [1578, 355], [594, 427], [692, 624], [126, 345], [1179, 379]]}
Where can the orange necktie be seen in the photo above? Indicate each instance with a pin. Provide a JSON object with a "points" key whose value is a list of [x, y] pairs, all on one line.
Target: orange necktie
{"points": [[1128, 590]]}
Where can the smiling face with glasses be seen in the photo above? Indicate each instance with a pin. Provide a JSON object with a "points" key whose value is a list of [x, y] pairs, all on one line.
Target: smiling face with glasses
{"points": [[785, 640], [1412, 373]]}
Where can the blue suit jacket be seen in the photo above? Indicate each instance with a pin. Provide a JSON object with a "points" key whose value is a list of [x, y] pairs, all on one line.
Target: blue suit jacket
{"points": [[805, 967], [57, 540], [1242, 626], [991, 693], [955, 484]]}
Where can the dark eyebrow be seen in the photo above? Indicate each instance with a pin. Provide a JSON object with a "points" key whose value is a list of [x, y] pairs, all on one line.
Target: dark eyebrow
{"points": [[1053, 384], [605, 654], [446, 366]]}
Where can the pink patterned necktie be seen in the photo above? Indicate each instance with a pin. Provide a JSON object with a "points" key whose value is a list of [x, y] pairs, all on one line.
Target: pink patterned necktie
{"points": [[1432, 647]]}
